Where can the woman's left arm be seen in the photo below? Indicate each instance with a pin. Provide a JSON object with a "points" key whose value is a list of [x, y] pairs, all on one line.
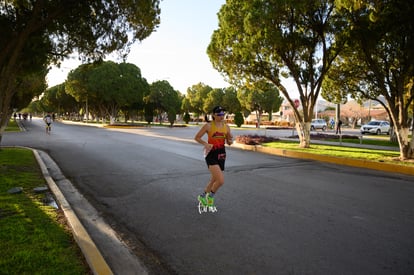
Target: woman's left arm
{"points": [[229, 136]]}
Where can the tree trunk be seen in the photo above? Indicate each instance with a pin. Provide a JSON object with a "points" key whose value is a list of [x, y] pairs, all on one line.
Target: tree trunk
{"points": [[5, 116], [303, 130], [2, 129], [5, 109], [393, 135], [410, 152], [406, 147], [354, 122], [258, 115]]}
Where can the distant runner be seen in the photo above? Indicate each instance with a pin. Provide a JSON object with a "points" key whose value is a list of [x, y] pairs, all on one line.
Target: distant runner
{"points": [[48, 120]]}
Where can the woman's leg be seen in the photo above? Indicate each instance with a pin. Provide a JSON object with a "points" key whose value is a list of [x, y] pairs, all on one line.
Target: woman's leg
{"points": [[209, 185], [217, 178]]}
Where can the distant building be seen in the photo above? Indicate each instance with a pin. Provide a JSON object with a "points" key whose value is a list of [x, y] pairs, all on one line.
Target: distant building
{"points": [[370, 110]]}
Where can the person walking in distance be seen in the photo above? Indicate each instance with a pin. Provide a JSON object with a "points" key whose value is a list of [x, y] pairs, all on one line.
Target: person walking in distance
{"points": [[338, 127], [48, 120], [215, 153]]}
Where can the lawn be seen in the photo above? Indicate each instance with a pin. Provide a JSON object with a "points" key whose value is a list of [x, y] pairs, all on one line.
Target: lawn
{"points": [[386, 156], [379, 141], [34, 238], [12, 126]]}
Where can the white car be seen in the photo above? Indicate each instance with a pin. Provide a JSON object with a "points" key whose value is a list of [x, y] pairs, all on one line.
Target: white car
{"points": [[318, 124], [376, 127]]}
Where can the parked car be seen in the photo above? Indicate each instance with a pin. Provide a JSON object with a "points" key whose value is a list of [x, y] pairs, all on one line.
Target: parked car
{"points": [[318, 124], [376, 127]]}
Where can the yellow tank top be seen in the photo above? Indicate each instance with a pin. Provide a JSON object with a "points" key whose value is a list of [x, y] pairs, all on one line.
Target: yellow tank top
{"points": [[217, 136]]}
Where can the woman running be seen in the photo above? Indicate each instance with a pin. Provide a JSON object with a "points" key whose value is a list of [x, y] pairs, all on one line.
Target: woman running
{"points": [[215, 153]]}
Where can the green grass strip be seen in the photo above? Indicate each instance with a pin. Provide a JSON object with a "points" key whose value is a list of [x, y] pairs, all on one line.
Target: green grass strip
{"points": [[12, 126], [368, 141], [33, 236], [343, 151]]}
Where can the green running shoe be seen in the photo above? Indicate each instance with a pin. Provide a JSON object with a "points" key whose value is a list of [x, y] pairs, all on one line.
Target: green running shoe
{"points": [[202, 200], [210, 201]]}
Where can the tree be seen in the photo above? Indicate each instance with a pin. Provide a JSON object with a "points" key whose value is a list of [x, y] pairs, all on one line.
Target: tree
{"points": [[230, 101], [271, 94], [135, 88], [149, 112], [354, 112], [28, 87], [164, 99], [380, 60], [108, 87], [238, 119], [273, 39], [56, 100], [185, 105], [174, 106], [34, 107], [260, 97], [76, 83], [214, 98], [196, 95], [37, 33], [252, 100]]}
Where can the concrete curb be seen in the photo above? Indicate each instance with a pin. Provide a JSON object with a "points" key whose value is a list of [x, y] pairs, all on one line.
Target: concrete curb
{"points": [[92, 254], [386, 167]]}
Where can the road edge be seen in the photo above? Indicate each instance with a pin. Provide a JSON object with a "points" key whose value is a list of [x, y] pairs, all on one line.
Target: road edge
{"points": [[89, 249]]}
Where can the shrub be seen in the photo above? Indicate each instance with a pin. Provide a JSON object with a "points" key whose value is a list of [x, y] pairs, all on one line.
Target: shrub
{"points": [[238, 119], [186, 118], [255, 139]]}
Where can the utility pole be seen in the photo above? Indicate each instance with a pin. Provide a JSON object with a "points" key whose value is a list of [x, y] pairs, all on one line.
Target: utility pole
{"points": [[338, 112]]}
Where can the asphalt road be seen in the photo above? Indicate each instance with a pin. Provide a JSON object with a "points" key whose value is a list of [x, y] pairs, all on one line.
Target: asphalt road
{"points": [[275, 215]]}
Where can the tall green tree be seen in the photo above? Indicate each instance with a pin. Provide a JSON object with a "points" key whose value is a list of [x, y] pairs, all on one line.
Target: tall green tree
{"points": [[56, 100], [66, 103], [273, 39], [214, 98], [164, 99], [28, 87], [379, 61], [260, 97], [196, 95], [135, 87], [50, 100], [108, 87], [35, 107], [76, 85], [230, 101], [185, 104], [37, 33], [271, 94]]}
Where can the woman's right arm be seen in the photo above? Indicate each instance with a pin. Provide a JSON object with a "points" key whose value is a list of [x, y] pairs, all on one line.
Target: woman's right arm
{"points": [[199, 137]]}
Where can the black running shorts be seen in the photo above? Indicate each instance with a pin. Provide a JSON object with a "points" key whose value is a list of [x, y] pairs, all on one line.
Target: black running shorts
{"points": [[216, 157]]}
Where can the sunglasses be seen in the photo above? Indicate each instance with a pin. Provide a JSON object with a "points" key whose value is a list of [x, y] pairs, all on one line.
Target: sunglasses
{"points": [[220, 114]]}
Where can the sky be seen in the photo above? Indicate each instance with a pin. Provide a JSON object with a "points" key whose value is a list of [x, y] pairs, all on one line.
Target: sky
{"points": [[176, 52]]}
